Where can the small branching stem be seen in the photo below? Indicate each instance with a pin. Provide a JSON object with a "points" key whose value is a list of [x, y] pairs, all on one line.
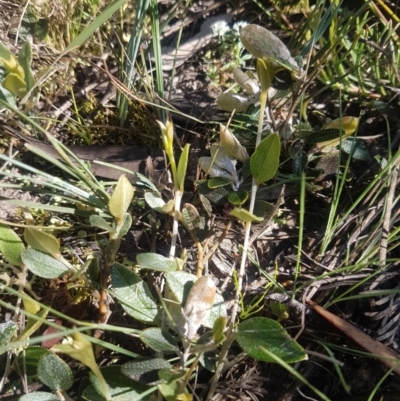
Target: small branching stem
{"points": [[231, 328]]}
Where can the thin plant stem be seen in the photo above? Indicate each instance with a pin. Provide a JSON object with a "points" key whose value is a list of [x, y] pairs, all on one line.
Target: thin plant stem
{"points": [[230, 333]]}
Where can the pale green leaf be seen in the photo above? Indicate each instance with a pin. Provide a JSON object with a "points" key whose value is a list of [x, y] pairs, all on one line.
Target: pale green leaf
{"points": [[42, 264], [42, 241], [245, 215], [182, 166], [99, 222], [11, 245], [121, 198], [154, 261], [15, 84]]}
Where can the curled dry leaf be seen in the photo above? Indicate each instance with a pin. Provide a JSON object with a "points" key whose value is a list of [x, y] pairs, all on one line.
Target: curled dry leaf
{"points": [[222, 165], [249, 85], [232, 147], [263, 44], [198, 306]]}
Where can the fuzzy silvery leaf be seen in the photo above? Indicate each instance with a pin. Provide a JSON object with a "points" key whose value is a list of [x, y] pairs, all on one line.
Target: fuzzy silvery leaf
{"points": [[222, 165], [263, 44], [232, 101]]}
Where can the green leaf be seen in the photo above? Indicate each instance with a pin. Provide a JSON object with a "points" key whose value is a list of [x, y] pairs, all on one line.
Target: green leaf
{"points": [[155, 201], [43, 265], [325, 135], [263, 209], [121, 387], [260, 332], [121, 198], [219, 329], [42, 241], [180, 284], [133, 293], [159, 340], [154, 261], [7, 332], [41, 29], [264, 162], [170, 391], [29, 358], [15, 84], [125, 226], [245, 215], [54, 372], [263, 44], [11, 245], [39, 396], [238, 198], [93, 26], [357, 148], [182, 166], [99, 222], [145, 370], [217, 182], [25, 60], [7, 59], [191, 218]]}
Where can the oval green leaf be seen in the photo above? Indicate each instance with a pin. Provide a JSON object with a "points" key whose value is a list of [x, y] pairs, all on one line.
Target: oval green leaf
{"points": [[42, 241], [245, 215], [145, 370], [133, 293], [28, 361], [121, 198], [54, 372], [217, 182], [255, 333], [39, 396], [155, 201], [159, 340], [238, 198], [43, 265], [153, 261], [99, 222], [11, 245], [121, 387], [264, 162]]}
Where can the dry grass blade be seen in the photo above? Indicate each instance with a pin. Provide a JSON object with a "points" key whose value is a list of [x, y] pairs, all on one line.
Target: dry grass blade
{"points": [[389, 357]]}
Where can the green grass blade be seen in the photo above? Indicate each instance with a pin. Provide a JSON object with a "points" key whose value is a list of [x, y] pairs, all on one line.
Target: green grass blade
{"points": [[96, 24]]}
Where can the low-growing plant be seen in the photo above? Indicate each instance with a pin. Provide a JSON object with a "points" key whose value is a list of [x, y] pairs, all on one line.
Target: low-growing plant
{"points": [[176, 312]]}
